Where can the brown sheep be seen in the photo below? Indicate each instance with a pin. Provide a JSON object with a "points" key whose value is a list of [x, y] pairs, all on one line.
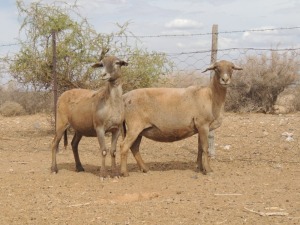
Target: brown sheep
{"points": [[172, 114], [92, 114]]}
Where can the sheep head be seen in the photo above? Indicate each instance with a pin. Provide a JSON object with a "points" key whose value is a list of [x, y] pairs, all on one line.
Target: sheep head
{"points": [[223, 71], [111, 67]]}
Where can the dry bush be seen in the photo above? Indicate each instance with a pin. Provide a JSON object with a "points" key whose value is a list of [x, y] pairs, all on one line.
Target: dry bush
{"points": [[263, 78], [9, 108], [183, 80], [297, 99], [36, 102], [31, 101], [289, 100]]}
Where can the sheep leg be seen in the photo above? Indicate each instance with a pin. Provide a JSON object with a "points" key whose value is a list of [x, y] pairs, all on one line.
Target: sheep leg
{"points": [[135, 149], [101, 140], [75, 141], [114, 140], [125, 145], [55, 143], [61, 126], [199, 157], [203, 135]]}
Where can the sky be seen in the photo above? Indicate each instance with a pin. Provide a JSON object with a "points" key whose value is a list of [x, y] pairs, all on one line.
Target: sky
{"points": [[176, 17]]}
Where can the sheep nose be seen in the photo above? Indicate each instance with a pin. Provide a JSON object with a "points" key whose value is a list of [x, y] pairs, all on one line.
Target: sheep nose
{"points": [[225, 78], [105, 76]]}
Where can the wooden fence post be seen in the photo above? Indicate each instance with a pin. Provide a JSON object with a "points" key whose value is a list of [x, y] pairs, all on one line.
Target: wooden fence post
{"points": [[214, 50], [54, 77]]}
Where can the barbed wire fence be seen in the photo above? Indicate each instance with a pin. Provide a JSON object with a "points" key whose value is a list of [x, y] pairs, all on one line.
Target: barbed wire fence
{"points": [[188, 65], [196, 60], [193, 62]]}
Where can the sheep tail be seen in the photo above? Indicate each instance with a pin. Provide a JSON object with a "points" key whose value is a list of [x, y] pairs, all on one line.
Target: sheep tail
{"points": [[65, 139]]}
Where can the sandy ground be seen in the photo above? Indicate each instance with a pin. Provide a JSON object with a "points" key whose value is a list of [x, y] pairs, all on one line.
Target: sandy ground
{"points": [[256, 177]]}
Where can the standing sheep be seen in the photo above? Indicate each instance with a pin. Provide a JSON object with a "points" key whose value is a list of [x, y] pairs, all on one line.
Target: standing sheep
{"points": [[172, 114], [92, 114]]}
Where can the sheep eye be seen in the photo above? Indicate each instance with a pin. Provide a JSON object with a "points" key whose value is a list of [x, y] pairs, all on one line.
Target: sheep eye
{"points": [[121, 63]]}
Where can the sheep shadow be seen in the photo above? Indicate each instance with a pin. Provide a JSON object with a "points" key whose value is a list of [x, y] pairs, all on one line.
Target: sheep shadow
{"points": [[170, 165], [88, 168], [133, 167]]}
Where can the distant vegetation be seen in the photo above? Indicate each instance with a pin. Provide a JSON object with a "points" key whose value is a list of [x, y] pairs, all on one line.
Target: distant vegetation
{"points": [[254, 89], [78, 46], [264, 81]]}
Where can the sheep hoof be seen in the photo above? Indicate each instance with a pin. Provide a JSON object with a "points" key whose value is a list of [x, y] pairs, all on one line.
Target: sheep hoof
{"points": [[199, 169], [103, 173], [115, 178], [124, 174], [207, 172], [54, 170], [145, 170], [79, 169], [115, 174], [103, 177]]}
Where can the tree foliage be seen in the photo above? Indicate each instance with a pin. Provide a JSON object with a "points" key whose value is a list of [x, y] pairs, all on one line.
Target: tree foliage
{"points": [[146, 69], [78, 45]]}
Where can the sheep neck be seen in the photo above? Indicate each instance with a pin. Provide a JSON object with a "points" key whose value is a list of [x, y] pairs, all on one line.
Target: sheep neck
{"points": [[218, 96], [114, 89], [111, 84]]}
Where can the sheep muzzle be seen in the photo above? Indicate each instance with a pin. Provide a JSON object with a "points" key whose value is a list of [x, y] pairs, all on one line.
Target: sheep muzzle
{"points": [[225, 80]]}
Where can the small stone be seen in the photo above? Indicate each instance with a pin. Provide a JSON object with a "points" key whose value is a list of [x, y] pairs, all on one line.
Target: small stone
{"points": [[226, 147]]}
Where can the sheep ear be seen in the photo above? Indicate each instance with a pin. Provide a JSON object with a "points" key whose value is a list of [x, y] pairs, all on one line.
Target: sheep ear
{"points": [[98, 64], [237, 67], [122, 63], [103, 53], [211, 67]]}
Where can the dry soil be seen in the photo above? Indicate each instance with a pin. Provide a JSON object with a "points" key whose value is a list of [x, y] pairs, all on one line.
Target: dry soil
{"points": [[256, 178]]}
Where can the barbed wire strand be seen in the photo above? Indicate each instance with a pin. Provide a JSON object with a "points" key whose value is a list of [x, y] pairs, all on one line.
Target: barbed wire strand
{"points": [[185, 35], [209, 33]]}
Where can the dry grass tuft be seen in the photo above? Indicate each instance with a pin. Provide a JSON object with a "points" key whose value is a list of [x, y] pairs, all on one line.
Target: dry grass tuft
{"points": [[9, 109]]}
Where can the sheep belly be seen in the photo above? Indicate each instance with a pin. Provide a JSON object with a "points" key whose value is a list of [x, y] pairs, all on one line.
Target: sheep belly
{"points": [[86, 131], [156, 134]]}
